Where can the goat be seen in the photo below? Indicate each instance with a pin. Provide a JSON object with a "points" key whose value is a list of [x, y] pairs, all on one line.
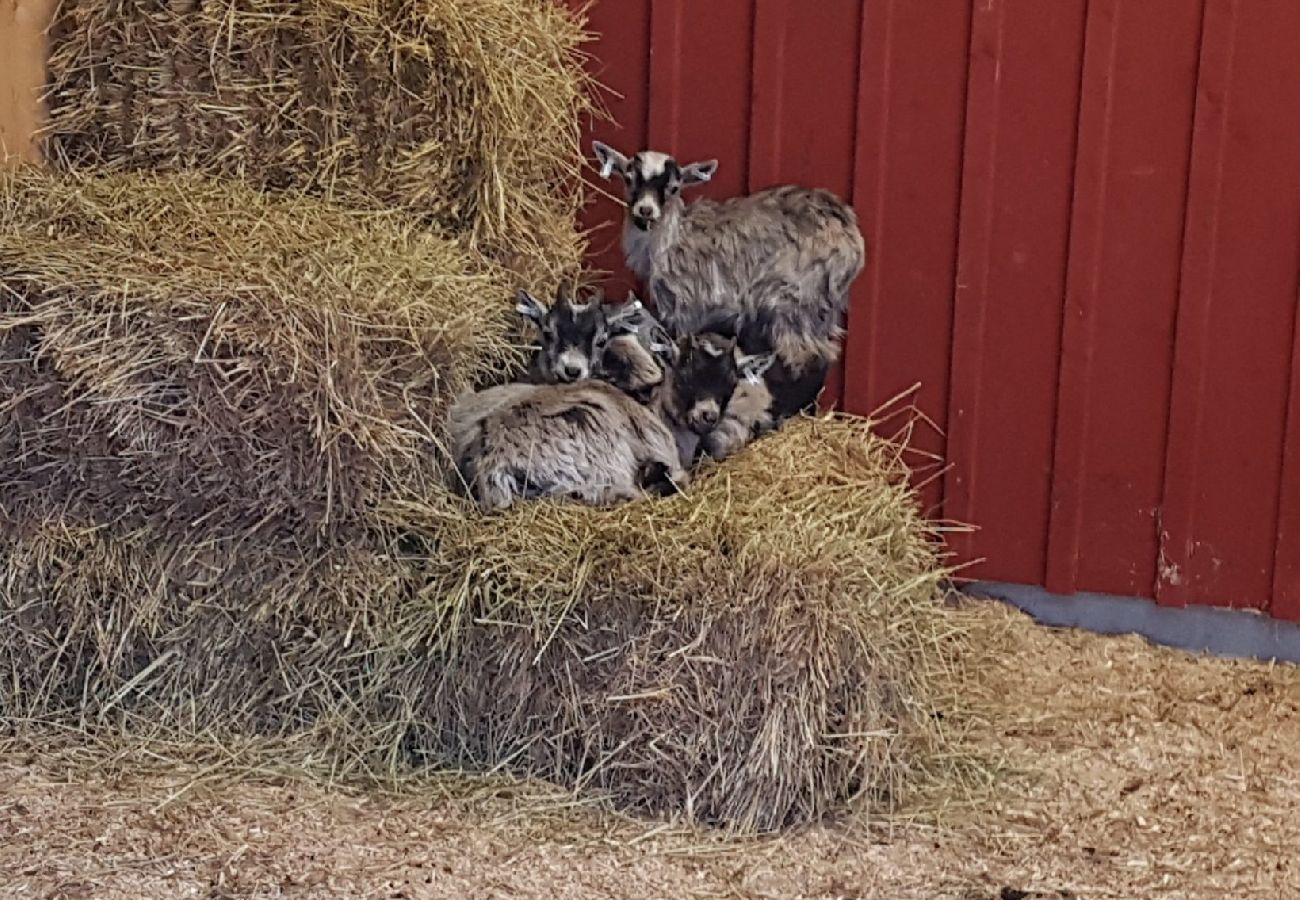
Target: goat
{"points": [[762, 405], [620, 343], [588, 440], [773, 268]]}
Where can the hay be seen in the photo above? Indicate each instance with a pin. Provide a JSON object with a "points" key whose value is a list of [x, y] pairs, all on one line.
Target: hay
{"points": [[1144, 772], [758, 654], [224, 520], [464, 112], [182, 354]]}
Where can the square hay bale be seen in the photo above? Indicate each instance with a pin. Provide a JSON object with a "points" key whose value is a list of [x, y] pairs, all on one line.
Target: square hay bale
{"points": [[464, 112], [188, 354], [758, 654]]}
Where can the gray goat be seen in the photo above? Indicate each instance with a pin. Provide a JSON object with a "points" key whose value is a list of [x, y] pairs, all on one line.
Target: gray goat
{"points": [[590, 441], [621, 343], [778, 263]]}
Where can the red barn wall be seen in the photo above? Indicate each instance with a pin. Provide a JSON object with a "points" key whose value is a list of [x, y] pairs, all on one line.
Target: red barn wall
{"points": [[1083, 227]]}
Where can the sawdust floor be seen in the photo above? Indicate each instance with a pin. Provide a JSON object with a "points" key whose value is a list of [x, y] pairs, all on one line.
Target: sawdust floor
{"points": [[1141, 772]]}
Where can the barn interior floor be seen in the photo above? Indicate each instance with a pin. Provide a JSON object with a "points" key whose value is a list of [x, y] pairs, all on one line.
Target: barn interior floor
{"points": [[1134, 771]]}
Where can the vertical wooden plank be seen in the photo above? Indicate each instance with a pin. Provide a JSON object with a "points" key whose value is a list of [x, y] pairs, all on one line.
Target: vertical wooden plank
{"points": [[620, 61], [22, 77], [1286, 564], [805, 77], [1236, 316], [804, 94], [906, 188], [700, 61], [1022, 106], [1139, 81]]}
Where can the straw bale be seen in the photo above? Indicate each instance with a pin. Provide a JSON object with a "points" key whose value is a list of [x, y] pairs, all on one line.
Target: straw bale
{"points": [[225, 518], [758, 653], [185, 353], [465, 112]]}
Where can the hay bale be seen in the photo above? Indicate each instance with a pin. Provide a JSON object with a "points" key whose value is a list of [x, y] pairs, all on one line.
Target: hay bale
{"points": [[224, 517], [465, 112], [757, 654], [181, 353]]}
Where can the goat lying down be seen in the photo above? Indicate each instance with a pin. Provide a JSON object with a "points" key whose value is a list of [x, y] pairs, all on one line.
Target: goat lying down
{"points": [[623, 343], [627, 346], [590, 441], [760, 406]]}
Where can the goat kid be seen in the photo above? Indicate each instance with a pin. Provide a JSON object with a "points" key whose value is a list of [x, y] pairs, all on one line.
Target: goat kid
{"points": [[623, 343], [588, 440]]}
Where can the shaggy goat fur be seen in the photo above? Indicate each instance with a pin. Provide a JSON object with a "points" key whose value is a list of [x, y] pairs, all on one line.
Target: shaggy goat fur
{"points": [[772, 270], [776, 265], [588, 440]]}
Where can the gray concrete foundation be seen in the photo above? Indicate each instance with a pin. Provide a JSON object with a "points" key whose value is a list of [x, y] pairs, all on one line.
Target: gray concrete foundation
{"points": [[1199, 629]]}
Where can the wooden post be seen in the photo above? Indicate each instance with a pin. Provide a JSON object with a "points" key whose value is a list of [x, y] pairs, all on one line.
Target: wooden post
{"points": [[23, 25]]}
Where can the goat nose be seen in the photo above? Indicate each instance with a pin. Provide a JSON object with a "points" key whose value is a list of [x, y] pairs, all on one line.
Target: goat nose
{"points": [[572, 372], [709, 416]]}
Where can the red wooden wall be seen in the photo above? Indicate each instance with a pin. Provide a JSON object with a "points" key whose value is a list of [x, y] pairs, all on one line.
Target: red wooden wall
{"points": [[1083, 227]]}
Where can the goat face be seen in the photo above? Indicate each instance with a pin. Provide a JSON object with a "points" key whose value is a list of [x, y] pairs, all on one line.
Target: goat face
{"points": [[704, 377], [651, 180], [573, 336]]}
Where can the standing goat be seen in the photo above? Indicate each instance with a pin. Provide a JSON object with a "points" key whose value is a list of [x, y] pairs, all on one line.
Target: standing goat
{"points": [[590, 441], [773, 268], [620, 343]]}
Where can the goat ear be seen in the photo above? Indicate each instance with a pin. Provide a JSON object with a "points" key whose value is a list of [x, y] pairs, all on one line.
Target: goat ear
{"points": [[530, 307], [610, 159], [666, 348], [752, 368], [631, 306], [698, 173], [714, 348], [623, 319]]}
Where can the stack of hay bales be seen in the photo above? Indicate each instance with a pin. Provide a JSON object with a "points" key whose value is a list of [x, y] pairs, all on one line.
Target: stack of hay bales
{"points": [[218, 407], [463, 112], [229, 333]]}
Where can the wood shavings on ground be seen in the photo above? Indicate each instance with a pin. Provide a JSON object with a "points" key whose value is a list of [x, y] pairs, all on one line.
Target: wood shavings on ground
{"points": [[1135, 772]]}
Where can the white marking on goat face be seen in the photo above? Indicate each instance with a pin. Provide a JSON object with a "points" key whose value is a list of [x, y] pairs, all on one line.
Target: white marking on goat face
{"points": [[653, 179], [651, 163], [572, 365]]}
